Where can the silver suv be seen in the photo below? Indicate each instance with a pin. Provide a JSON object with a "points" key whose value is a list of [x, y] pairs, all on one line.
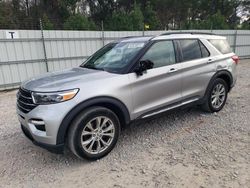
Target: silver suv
{"points": [[133, 78]]}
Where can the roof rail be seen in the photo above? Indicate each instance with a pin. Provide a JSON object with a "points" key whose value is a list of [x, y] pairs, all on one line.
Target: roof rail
{"points": [[131, 37], [128, 37], [186, 32]]}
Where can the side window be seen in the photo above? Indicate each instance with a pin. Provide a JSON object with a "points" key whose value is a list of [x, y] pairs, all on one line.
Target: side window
{"points": [[204, 50], [161, 54], [190, 49], [221, 45]]}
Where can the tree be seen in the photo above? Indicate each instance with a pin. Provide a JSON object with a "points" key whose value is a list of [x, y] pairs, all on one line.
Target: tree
{"points": [[150, 17], [137, 19], [119, 21], [70, 5], [158, 14], [101, 10], [246, 24], [128, 21], [216, 21], [47, 25], [5, 16], [78, 22]]}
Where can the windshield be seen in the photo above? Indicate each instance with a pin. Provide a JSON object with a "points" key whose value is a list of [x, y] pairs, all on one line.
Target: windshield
{"points": [[114, 56]]}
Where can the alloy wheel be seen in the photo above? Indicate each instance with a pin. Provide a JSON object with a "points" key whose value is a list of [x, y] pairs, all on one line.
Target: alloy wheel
{"points": [[218, 95], [97, 135]]}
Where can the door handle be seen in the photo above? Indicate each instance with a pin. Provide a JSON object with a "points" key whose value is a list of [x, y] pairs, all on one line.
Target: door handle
{"points": [[172, 70], [210, 61]]}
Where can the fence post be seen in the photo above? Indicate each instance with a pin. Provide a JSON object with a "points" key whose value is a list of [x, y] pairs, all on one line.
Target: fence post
{"points": [[235, 40], [143, 30], [44, 48], [103, 42]]}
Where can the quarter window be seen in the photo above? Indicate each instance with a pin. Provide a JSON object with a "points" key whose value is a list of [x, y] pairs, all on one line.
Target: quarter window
{"points": [[161, 53], [221, 45]]}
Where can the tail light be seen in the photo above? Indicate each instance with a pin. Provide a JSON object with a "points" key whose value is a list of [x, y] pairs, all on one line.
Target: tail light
{"points": [[236, 59]]}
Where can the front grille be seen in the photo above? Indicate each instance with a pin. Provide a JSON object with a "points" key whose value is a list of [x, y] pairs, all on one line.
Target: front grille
{"points": [[24, 101]]}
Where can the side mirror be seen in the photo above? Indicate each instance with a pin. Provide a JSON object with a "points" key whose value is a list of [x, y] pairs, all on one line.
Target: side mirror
{"points": [[143, 66]]}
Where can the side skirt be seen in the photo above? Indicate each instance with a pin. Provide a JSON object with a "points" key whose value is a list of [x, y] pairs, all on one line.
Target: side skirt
{"points": [[184, 104]]}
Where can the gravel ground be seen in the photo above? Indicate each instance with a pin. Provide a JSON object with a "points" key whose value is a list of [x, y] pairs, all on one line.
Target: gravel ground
{"points": [[187, 148]]}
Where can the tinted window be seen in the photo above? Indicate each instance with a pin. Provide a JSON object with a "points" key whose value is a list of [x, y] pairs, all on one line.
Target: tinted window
{"points": [[204, 51], [221, 45], [190, 49], [161, 54]]}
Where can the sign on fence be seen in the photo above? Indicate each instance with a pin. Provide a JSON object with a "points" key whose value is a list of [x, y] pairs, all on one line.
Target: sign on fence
{"points": [[12, 34]]}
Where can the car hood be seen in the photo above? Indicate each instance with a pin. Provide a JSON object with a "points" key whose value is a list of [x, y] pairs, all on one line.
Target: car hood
{"points": [[63, 80]]}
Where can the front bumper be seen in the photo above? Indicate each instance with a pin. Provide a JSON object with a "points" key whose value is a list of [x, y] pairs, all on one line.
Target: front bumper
{"points": [[52, 116], [52, 148]]}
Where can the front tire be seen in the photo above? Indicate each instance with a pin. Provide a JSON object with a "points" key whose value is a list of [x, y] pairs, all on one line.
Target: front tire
{"points": [[216, 96], [94, 133]]}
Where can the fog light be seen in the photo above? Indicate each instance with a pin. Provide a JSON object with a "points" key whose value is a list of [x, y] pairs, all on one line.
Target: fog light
{"points": [[39, 124]]}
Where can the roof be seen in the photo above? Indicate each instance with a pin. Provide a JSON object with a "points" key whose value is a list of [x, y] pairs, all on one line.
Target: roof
{"points": [[186, 35], [171, 35]]}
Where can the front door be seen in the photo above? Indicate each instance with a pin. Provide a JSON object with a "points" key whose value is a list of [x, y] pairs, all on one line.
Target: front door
{"points": [[159, 86]]}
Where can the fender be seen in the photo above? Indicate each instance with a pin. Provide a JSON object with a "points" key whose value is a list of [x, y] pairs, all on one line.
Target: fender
{"points": [[219, 74], [85, 104]]}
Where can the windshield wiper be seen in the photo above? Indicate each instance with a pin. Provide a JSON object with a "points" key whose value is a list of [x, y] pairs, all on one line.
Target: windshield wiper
{"points": [[91, 67]]}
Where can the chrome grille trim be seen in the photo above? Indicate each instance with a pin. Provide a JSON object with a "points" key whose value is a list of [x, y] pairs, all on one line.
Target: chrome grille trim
{"points": [[22, 108], [19, 101], [24, 101], [27, 97]]}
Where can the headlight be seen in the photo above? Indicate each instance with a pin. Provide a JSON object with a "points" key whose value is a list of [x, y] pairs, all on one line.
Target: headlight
{"points": [[53, 97]]}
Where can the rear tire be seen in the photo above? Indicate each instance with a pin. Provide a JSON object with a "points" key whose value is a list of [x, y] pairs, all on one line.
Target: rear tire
{"points": [[216, 96], [94, 133]]}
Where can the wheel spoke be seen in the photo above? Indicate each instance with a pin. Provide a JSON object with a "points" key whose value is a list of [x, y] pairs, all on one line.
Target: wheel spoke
{"points": [[108, 134], [220, 101], [213, 101], [222, 90], [222, 94], [216, 102], [98, 146], [109, 128], [89, 125], [104, 122], [103, 142], [91, 145], [213, 97], [217, 89], [98, 122], [84, 133], [86, 142]]}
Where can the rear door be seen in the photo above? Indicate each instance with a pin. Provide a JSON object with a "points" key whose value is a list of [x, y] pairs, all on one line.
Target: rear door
{"points": [[197, 68], [159, 86]]}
